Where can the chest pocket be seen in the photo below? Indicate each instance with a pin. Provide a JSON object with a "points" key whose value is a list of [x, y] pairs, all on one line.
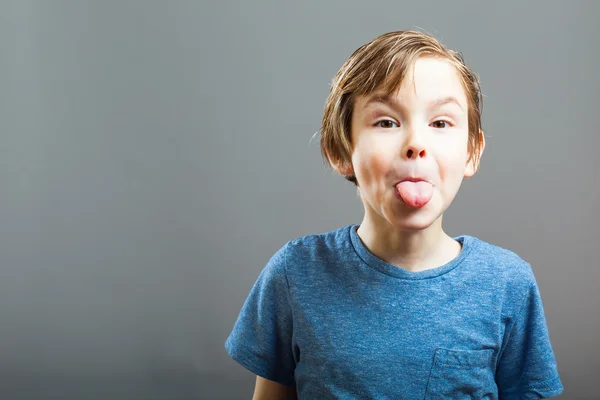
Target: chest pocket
{"points": [[461, 374]]}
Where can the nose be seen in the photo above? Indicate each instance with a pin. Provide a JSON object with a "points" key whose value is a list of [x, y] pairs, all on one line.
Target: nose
{"points": [[415, 152], [414, 146]]}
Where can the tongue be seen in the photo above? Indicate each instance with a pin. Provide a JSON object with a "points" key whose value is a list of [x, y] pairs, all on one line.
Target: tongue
{"points": [[415, 194]]}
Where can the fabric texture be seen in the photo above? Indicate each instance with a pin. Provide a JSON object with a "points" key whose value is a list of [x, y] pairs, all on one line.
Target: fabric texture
{"points": [[331, 318]]}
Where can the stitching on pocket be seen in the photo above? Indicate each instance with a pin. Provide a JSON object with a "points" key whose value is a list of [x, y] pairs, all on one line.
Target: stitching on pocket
{"points": [[463, 358], [459, 373]]}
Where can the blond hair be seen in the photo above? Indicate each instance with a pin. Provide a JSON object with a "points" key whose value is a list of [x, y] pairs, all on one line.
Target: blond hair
{"points": [[382, 65]]}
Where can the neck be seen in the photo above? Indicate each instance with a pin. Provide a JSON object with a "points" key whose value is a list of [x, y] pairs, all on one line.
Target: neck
{"points": [[411, 250]]}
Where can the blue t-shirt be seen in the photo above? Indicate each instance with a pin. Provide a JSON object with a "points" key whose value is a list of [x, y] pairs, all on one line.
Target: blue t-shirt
{"points": [[336, 321]]}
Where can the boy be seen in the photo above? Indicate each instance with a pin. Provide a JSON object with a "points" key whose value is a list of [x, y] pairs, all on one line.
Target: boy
{"points": [[394, 307]]}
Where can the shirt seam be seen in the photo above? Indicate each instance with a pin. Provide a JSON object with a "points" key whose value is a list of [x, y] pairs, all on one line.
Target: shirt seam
{"points": [[288, 294], [549, 384], [473, 245], [248, 358], [514, 320]]}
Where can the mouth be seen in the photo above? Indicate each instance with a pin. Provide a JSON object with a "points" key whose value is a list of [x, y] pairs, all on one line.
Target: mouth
{"points": [[414, 191], [413, 179]]}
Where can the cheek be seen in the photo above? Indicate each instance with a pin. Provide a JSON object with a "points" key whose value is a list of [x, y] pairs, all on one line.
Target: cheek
{"points": [[372, 163], [453, 169]]}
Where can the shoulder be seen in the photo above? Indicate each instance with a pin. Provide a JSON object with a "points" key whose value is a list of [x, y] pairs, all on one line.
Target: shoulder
{"points": [[298, 253], [317, 246], [507, 267], [506, 273]]}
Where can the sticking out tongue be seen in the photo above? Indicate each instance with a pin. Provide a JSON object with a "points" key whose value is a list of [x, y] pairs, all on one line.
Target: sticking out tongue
{"points": [[415, 194]]}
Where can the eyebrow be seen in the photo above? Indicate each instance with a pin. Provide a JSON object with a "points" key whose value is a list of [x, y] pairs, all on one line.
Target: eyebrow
{"points": [[383, 99]]}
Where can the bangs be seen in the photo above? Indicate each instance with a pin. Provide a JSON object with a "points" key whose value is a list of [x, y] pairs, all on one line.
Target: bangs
{"points": [[389, 74]]}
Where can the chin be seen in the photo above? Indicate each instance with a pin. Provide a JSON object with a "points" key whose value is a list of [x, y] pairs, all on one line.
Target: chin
{"points": [[418, 221], [413, 226]]}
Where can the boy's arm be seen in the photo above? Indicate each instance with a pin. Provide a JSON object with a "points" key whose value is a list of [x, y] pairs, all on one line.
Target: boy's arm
{"points": [[269, 390], [527, 366], [261, 339]]}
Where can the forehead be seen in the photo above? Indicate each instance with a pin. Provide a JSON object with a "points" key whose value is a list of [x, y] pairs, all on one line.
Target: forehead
{"points": [[429, 80]]}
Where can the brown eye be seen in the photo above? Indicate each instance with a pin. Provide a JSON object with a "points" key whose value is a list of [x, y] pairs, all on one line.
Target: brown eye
{"points": [[438, 123], [387, 123]]}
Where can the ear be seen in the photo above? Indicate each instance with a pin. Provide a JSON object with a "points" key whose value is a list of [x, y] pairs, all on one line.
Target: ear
{"points": [[343, 169], [340, 167], [473, 165]]}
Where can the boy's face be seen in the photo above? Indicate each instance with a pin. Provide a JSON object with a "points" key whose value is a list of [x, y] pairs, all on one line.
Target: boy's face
{"points": [[420, 131]]}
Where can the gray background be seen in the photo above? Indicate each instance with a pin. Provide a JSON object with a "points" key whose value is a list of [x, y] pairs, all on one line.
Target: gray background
{"points": [[155, 154]]}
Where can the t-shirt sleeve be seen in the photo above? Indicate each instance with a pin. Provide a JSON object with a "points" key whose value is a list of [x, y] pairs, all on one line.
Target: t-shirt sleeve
{"points": [[527, 365], [261, 339]]}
